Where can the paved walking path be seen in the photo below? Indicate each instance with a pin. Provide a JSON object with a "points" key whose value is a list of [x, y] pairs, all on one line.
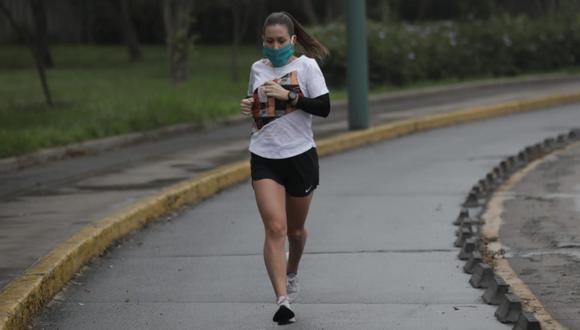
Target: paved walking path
{"points": [[379, 255], [41, 206]]}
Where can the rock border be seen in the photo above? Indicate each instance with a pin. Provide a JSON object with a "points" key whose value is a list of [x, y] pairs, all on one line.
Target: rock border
{"points": [[478, 239]]}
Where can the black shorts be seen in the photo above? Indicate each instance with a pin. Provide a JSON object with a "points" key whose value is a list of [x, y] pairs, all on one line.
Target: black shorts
{"points": [[298, 174]]}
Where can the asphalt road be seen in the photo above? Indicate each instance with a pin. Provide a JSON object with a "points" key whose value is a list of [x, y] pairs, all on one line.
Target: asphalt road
{"points": [[379, 255]]}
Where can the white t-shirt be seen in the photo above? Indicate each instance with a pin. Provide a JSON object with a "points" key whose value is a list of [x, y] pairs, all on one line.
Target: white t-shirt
{"points": [[290, 134]]}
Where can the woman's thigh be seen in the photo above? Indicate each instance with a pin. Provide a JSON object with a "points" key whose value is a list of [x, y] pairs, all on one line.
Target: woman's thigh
{"points": [[297, 211], [270, 198]]}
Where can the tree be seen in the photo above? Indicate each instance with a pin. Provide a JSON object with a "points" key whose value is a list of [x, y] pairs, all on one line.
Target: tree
{"points": [[240, 13], [385, 11], [177, 19], [129, 34], [41, 40], [88, 17], [29, 40], [333, 10], [309, 11]]}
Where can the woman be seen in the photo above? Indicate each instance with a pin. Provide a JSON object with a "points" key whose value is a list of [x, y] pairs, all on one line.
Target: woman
{"points": [[284, 92]]}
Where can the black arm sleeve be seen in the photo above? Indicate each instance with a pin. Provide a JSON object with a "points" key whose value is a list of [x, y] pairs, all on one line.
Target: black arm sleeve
{"points": [[318, 106]]}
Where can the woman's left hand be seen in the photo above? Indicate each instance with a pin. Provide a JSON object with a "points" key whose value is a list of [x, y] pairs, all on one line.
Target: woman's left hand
{"points": [[275, 90]]}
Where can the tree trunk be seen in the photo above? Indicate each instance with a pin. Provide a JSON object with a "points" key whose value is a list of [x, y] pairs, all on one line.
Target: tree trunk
{"points": [[129, 34], [41, 27], [177, 18], [88, 20], [235, 40], [333, 10], [240, 14], [539, 7], [260, 10], [30, 43], [385, 9], [310, 12], [552, 5], [422, 9]]}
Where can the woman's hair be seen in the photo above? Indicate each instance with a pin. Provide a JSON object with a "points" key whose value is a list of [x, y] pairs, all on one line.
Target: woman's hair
{"points": [[311, 46]]}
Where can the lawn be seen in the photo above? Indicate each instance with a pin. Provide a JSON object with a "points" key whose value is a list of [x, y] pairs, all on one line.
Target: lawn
{"points": [[98, 93]]}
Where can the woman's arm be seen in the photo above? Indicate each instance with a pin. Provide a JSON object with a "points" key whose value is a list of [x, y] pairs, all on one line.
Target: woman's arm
{"points": [[318, 106]]}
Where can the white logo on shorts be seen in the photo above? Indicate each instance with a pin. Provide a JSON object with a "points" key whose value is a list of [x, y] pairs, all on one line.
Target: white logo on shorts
{"points": [[308, 190]]}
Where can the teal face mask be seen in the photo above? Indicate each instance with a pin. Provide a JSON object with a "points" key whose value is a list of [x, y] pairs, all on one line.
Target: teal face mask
{"points": [[279, 56]]}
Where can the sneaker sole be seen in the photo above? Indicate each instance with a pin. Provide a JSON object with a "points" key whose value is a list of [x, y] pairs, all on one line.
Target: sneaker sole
{"points": [[290, 321], [284, 315]]}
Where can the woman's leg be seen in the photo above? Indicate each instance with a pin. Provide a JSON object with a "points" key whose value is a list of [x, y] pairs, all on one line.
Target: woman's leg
{"points": [[270, 197], [296, 213]]}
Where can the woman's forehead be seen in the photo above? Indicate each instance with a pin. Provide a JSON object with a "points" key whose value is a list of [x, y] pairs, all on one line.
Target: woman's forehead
{"points": [[276, 31]]}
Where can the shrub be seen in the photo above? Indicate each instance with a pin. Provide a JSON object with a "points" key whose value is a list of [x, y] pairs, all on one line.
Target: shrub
{"points": [[401, 53]]}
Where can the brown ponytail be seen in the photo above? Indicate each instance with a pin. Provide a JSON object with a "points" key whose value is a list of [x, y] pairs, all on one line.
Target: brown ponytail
{"points": [[311, 46]]}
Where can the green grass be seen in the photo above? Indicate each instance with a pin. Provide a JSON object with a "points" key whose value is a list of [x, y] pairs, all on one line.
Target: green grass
{"points": [[98, 93]]}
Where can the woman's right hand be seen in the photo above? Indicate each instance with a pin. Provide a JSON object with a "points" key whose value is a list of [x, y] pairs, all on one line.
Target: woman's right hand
{"points": [[246, 106]]}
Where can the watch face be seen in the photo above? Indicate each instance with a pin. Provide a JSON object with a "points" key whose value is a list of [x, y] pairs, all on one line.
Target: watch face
{"points": [[292, 95]]}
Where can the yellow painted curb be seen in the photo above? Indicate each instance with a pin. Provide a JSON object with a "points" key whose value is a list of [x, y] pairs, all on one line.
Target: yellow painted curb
{"points": [[494, 252], [25, 296]]}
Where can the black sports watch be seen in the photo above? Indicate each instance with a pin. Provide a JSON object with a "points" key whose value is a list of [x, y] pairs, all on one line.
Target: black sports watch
{"points": [[292, 96]]}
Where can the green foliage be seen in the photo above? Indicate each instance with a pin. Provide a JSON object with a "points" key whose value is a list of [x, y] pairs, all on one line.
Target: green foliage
{"points": [[98, 93], [503, 46]]}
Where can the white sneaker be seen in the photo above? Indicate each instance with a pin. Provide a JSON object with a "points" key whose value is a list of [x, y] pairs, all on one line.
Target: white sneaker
{"points": [[284, 314], [292, 286]]}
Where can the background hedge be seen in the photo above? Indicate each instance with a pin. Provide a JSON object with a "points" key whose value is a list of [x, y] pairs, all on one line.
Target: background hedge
{"points": [[501, 46]]}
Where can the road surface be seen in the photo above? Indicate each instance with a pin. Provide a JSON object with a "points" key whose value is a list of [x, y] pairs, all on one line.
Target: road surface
{"points": [[379, 255]]}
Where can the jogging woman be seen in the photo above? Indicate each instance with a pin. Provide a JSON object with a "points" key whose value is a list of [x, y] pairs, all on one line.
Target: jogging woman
{"points": [[284, 92]]}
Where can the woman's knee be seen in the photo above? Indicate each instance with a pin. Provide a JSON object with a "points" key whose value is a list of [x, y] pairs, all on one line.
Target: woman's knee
{"points": [[276, 230], [297, 234]]}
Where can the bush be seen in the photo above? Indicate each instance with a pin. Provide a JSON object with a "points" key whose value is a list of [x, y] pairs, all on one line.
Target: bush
{"points": [[503, 46]]}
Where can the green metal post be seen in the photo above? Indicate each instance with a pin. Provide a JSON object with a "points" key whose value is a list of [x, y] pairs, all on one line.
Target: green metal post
{"points": [[357, 66]]}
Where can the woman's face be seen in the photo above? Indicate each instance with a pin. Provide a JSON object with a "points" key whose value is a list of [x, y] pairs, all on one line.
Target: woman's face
{"points": [[276, 36]]}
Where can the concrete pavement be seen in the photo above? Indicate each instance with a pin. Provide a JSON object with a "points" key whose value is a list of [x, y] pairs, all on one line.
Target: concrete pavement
{"points": [[540, 233], [380, 253]]}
